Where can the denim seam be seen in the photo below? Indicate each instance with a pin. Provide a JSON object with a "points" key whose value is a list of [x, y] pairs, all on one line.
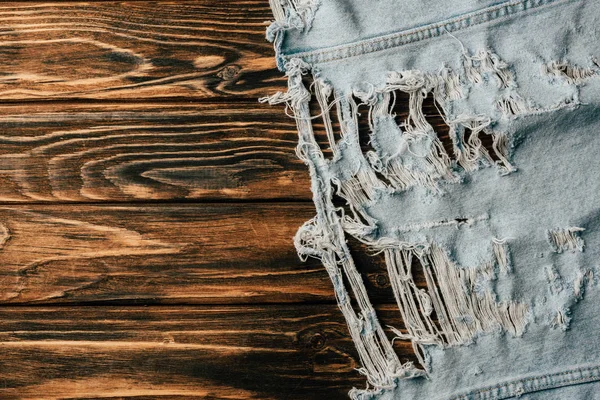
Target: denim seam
{"points": [[594, 375], [417, 34]]}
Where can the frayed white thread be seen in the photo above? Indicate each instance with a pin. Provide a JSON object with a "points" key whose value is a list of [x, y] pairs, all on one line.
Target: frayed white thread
{"points": [[512, 105], [486, 62], [561, 319], [500, 146], [565, 239], [323, 237], [289, 14], [449, 87], [581, 281], [323, 91], [436, 164], [571, 73], [501, 254], [296, 94], [457, 222], [470, 152], [459, 297]]}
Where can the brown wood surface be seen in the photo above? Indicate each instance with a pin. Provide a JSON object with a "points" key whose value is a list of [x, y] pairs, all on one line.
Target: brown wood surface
{"points": [[136, 50], [146, 152], [148, 205], [232, 352], [168, 254]]}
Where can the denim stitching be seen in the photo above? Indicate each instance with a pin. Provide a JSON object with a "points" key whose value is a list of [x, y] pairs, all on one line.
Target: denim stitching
{"points": [[417, 34], [594, 376]]}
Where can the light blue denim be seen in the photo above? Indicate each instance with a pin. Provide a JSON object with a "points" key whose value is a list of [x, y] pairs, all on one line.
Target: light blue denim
{"points": [[506, 234]]}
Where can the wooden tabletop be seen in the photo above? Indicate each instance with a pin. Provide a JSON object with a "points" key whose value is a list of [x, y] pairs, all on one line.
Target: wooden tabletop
{"points": [[148, 206]]}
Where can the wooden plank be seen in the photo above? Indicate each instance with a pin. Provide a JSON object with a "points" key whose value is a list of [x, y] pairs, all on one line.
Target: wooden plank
{"points": [[121, 152], [118, 50], [249, 352], [175, 254]]}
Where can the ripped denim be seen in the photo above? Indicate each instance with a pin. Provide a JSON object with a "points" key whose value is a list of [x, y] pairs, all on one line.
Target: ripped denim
{"points": [[502, 222]]}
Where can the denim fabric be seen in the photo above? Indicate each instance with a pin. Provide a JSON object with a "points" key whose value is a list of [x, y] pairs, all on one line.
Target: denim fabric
{"points": [[503, 226]]}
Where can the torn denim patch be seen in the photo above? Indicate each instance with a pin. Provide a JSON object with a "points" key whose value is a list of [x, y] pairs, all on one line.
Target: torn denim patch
{"points": [[496, 209]]}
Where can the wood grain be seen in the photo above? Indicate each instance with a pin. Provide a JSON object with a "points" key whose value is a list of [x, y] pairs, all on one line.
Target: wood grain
{"points": [[167, 286], [251, 352], [121, 152], [176, 254], [117, 152], [118, 50]]}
